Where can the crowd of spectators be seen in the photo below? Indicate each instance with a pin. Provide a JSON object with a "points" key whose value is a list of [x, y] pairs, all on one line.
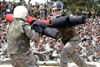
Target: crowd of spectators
{"points": [[49, 48]]}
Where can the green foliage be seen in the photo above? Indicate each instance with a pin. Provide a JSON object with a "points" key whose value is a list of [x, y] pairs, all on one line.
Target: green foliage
{"points": [[98, 7], [73, 4]]}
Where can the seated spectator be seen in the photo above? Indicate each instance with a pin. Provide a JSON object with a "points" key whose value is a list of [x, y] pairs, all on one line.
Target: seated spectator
{"points": [[3, 50], [95, 44], [1, 31], [86, 51], [88, 38], [82, 42], [44, 39], [81, 35], [59, 41], [98, 39], [56, 53], [78, 50], [50, 47], [34, 45], [1, 43], [40, 52], [96, 56], [4, 37], [55, 42]]}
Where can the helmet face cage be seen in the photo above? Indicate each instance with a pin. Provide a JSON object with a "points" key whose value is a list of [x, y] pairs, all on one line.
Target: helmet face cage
{"points": [[57, 6]]}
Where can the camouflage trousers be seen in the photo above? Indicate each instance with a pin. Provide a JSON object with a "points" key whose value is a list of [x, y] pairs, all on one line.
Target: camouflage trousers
{"points": [[69, 50], [23, 60]]}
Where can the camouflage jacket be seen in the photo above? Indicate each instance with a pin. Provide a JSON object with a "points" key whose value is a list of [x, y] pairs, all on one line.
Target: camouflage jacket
{"points": [[66, 33], [95, 58], [18, 36]]}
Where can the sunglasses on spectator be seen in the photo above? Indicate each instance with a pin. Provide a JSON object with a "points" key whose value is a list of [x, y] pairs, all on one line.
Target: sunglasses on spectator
{"points": [[59, 46], [96, 51], [77, 48]]}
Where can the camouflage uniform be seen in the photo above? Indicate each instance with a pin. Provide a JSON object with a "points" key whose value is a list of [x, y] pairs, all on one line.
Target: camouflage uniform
{"points": [[70, 39], [95, 58], [18, 38], [86, 53]]}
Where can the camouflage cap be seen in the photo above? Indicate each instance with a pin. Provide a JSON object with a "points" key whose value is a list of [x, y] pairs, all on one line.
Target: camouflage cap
{"points": [[40, 43], [97, 49]]}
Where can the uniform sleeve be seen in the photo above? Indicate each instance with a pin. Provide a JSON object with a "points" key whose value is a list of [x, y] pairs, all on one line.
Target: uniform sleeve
{"points": [[30, 33], [83, 54], [54, 54], [91, 57]]}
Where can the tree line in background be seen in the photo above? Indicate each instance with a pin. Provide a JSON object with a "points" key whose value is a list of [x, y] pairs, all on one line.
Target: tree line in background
{"points": [[73, 4]]}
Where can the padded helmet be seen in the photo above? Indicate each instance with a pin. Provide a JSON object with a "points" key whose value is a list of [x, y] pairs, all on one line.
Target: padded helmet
{"points": [[60, 6], [20, 12]]}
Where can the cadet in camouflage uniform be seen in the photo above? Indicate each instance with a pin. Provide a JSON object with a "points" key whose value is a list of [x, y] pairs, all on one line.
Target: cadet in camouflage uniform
{"points": [[18, 38], [69, 38], [96, 56]]}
